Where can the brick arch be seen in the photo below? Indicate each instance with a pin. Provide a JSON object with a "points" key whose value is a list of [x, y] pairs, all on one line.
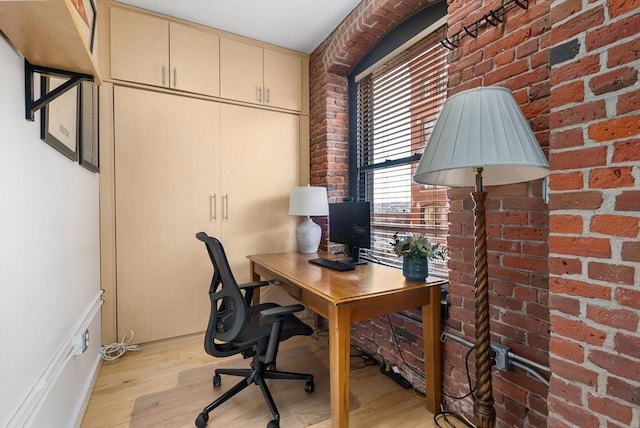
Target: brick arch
{"points": [[330, 64]]}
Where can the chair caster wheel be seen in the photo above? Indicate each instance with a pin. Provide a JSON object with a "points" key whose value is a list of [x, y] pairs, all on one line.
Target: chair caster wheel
{"points": [[202, 419], [309, 386], [217, 380], [273, 424]]}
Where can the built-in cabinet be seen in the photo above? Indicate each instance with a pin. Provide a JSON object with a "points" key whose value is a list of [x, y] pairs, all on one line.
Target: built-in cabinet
{"points": [[261, 76], [185, 155], [154, 51], [184, 165]]}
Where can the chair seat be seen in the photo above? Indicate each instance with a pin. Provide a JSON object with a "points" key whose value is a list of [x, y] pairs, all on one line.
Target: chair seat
{"points": [[258, 330]]}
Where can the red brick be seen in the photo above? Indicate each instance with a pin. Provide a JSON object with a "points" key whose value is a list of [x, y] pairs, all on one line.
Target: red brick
{"points": [[624, 390], [623, 53], [568, 391], [565, 139], [564, 266], [577, 25], [630, 251], [580, 246], [527, 48], [575, 200], [566, 224], [611, 273], [565, 10], [617, 318], [615, 225], [620, 7], [567, 349], [574, 373], [581, 113], [613, 32], [614, 80], [570, 181], [628, 297], [572, 287], [626, 151], [628, 344], [629, 102], [610, 178], [524, 263], [578, 159], [576, 330], [575, 70], [566, 94], [628, 201], [615, 128], [506, 72], [610, 408]]}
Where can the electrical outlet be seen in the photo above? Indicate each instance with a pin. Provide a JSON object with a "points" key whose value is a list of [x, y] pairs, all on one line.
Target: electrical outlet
{"points": [[85, 340], [500, 358], [81, 342]]}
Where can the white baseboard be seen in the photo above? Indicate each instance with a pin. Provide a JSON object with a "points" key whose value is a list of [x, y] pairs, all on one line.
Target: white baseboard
{"points": [[60, 396]]}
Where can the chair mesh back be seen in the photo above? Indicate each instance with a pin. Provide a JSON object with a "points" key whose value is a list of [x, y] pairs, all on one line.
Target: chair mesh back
{"points": [[228, 307]]}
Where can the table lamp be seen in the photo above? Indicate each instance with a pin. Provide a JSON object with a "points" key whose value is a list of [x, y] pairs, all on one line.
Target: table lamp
{"points": [[308, 201], [481, 135]]}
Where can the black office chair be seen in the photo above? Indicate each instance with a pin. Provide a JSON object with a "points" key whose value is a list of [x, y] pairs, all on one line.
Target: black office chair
{"points": [[236, 327]]}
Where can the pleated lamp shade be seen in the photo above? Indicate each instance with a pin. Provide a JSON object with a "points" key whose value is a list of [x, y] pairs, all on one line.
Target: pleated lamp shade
{"points": [[481, 127]]}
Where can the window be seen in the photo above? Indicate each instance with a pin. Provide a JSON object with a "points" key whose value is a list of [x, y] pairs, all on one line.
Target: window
{"points": [[397, 105]]}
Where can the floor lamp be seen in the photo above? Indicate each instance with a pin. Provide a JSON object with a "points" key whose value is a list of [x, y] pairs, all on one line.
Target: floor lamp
{"points": [[481, 137]]}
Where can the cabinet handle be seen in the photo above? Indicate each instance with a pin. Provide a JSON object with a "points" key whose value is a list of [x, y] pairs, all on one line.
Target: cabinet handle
{"points": [[225, 212], [212, 207], [175, 77], [266, 95], [259, 94], [163, 78]]}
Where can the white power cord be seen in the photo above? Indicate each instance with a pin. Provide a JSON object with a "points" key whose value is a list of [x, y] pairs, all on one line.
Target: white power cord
{"points": [[116, 350]]}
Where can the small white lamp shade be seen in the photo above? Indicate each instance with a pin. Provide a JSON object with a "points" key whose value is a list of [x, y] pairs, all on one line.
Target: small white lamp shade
{"points": [[481, 127], [308, 201]]}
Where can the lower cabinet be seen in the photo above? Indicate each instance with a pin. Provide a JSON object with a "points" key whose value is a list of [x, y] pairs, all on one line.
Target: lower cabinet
{"points": [[184, 165]]}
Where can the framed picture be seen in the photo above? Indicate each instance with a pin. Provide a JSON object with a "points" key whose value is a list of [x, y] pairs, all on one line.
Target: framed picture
{"points": [[86, 12], [89, 140], [59, 118]]}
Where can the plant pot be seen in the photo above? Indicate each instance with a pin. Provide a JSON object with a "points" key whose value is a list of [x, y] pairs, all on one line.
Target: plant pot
{"points": [[415, 269]]}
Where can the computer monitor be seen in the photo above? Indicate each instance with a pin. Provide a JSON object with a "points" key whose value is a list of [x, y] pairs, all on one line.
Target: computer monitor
{"points": [[350, 224]]}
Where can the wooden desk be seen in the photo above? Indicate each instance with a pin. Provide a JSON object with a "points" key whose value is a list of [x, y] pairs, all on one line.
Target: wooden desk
{"points": [[369, 291]]}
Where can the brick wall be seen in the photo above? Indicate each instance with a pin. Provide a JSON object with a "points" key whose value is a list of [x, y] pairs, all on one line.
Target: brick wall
{"points": [[513, 55], [583, 109], [594, 222]]}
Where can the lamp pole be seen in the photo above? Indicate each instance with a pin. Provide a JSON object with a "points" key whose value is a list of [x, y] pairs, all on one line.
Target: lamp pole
{"points": [[483, 410]]}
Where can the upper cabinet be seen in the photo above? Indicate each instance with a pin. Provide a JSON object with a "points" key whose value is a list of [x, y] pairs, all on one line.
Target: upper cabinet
{"points": [[259, 75], [53, 33], [154, 51]]}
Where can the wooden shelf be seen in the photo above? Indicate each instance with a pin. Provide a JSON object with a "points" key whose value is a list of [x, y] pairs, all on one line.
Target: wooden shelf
{"points": [[48, 34]]}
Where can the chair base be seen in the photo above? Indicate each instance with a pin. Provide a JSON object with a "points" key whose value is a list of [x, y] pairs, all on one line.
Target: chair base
{"points": [[257, 374]]}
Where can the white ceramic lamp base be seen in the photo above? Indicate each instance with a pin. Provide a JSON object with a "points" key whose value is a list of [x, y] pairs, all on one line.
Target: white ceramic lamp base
{"points": [[308, 235]]}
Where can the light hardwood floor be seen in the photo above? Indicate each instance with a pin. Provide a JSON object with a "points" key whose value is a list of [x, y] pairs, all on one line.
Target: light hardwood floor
{"points": [[141, 379]]}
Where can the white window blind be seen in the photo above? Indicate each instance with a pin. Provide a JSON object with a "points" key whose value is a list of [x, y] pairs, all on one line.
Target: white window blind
{"points": [[397, 106]]}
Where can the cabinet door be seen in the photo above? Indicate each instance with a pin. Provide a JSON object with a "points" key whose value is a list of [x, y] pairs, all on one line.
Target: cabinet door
{"points": [[195, 60], [139, 49], [283, 80], [166, 172], [241, 71], [260, 152]]}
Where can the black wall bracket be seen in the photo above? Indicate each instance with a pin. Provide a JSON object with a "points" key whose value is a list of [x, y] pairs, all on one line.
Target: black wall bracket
{"points": [[493, 18], [31, 104]]}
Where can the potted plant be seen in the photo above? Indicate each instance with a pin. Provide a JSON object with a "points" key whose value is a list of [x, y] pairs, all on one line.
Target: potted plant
{"points": [[416, 251]]}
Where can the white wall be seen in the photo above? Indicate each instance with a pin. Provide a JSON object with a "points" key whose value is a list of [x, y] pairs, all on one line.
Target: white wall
{"points": [[49, 268]]}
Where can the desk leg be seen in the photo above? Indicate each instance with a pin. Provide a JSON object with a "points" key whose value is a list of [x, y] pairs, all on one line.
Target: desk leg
{"points": [[432, 354], [339, 343], [255, 278]]}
